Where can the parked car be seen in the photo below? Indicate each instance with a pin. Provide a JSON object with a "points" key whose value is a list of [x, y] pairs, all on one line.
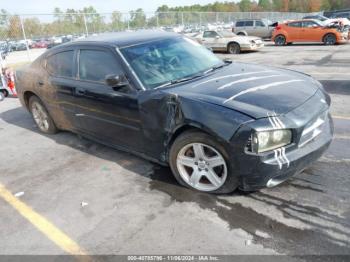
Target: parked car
{"points": [[335, 12], [40, 44], [341, 15], [328, 21], [219, 125], [229, 42], [307, 31], [255, 27]]}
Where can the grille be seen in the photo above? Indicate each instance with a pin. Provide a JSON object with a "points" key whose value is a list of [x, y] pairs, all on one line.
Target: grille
{"points": [[313, 129]]}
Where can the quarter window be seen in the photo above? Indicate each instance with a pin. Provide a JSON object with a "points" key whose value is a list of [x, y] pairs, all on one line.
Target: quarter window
{"points": [[95, 65], [61, 64]]}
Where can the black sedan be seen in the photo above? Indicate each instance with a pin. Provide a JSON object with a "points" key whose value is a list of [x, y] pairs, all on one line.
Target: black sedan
{"points": [[219, 125]]}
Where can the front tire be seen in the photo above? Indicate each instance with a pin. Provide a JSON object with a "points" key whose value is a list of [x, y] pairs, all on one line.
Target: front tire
{"points": [[329, 39], [199, 162], [234, 48], [41, 116]]}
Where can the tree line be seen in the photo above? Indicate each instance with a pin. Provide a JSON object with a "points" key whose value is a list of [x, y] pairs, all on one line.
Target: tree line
{"points": [[73, 21]]}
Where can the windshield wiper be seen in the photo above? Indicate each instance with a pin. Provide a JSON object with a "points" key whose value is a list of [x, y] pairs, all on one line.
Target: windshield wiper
{"points": [[214, 68], [180, 80], [188, 78]]}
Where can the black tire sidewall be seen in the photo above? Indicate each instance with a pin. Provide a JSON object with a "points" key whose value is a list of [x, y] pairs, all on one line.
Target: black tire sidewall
{"points": [[186, 138], [52, 127]]}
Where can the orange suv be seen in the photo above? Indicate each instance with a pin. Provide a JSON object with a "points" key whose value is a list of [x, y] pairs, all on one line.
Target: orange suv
{"points": [[307, 31]]}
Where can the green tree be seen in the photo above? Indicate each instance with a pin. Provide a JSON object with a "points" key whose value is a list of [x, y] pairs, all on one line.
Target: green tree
{"points": [[265, 5], [137, 18], [116, 21], [245, 5]]}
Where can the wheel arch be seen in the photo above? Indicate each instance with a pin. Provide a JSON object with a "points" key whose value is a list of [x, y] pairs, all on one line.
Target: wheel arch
{"points": [[242, 32], [27, 95], [329, 33]]}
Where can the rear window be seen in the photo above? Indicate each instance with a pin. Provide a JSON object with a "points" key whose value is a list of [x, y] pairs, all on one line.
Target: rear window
{"points": [[295, 24], [240, 24], [61, 64]]}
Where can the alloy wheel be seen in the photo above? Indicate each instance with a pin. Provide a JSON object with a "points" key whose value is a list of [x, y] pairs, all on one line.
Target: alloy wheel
{"points": [[40, 116], [201, 167]]}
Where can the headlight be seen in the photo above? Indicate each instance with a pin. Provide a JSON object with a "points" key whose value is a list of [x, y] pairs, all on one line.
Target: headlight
{"points": [[268, 140]]}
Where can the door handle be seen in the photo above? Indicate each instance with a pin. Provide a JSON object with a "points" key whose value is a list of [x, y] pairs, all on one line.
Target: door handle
{"points": [[79, 91], [40, 83]]}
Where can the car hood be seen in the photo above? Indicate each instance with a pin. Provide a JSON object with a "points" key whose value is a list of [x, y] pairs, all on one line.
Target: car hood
{"points": [[251, 89]]}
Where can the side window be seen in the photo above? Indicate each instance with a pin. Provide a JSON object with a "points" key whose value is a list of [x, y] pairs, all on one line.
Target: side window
{"points": [[249, 23], [309, 24], [240, 24], [61, 64], [94, 65], [209, 34], [295, 24], [259, 23]]}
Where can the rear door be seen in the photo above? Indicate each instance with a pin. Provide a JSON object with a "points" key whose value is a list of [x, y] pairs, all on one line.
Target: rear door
{"points": [[107, 114], [294, 31], [61, 68]]}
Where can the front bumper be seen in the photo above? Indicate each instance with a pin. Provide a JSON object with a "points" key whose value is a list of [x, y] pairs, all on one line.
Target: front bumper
{"points": [[250, 47], [268, 172], [256, 171]]}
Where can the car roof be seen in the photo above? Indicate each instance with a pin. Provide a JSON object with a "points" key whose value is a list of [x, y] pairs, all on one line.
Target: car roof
{"points": [[123, 39]]}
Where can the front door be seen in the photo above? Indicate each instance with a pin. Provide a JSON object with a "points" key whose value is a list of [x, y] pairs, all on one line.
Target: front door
{"points": [[106, 113], [213, 40], [310, 32]]}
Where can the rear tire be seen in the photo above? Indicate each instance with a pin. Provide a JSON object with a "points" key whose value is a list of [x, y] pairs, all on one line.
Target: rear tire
{"points": [[200, 163], [280, 40], [41, 116], [241, 33], [329, 39], [233, 48]]}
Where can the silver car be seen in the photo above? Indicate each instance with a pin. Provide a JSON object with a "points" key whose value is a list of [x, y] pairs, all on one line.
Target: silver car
{"points": [[229, 42], [255, 27]]}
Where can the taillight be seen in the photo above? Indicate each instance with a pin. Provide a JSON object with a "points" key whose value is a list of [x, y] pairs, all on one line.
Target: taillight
{"points": [[278, 27], [233, 29]]}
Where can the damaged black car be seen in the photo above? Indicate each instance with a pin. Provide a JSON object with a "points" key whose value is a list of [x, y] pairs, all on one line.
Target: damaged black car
{"points": [[219, 125]]}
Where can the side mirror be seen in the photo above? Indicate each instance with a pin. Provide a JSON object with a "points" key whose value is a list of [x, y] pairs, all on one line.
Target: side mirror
{"points": [[217, 37], [116, 81]]}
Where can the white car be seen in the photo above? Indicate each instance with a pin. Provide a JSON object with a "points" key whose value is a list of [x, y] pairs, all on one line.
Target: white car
{"points": [[229, 42]]}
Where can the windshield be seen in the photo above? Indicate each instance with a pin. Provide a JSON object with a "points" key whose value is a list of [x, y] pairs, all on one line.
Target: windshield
{"points": [[164, 61]]}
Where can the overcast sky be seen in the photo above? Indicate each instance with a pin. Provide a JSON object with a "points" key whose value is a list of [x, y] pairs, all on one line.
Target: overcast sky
{"points": [[47, 6]]}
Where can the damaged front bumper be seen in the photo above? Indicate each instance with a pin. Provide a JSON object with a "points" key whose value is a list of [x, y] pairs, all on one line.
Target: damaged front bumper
{"points": [[313, 131]]}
